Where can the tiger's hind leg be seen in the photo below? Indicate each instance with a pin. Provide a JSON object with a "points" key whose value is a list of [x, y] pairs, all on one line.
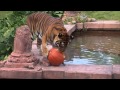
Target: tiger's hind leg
{"points": [[39, 42]]}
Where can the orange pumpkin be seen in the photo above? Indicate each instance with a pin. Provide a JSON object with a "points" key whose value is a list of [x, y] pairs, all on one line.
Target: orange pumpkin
{"points": [[55, 57]]}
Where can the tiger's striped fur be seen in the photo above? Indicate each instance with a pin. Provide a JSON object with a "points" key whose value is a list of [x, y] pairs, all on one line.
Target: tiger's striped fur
{"points": [[48, 30]]}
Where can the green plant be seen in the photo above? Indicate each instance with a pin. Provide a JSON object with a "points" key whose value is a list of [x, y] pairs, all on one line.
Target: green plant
{"points": [[82, 18], [55, 13], [8, 27]]}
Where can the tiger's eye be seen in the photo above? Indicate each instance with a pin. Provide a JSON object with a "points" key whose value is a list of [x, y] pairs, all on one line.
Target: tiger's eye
{"points": [[60, 35]]}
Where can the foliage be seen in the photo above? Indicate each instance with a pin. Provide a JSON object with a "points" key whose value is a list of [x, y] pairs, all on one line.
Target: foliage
{"points": [[4, 13], [82, 18], [55, 13], [8, 27]]}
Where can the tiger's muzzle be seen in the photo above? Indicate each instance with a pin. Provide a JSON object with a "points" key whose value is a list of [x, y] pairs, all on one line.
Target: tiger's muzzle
{"points": [[61, 45]]}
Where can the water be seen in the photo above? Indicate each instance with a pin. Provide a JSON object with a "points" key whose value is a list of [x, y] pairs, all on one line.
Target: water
{"points": [[94, 47]]}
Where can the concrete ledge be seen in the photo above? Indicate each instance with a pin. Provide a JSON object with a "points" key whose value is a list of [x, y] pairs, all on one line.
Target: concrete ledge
{"points": [[53, 72], [100, 25], [20, 73], [70, 28], [116, 72], [61, 72], [89, 72]]}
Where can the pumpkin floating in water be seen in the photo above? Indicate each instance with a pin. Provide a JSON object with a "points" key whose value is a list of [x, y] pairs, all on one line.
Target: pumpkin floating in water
{"points": [[55, 57]]}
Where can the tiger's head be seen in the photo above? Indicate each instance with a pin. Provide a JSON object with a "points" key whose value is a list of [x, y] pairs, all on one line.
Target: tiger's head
{"points": [[61, 38]]}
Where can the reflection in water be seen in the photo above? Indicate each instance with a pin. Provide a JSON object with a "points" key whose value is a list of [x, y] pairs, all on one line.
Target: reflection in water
{"points": [[94, 47]]}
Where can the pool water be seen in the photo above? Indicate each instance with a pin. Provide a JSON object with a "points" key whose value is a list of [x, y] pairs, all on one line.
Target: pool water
{"points": [[94, 47]]}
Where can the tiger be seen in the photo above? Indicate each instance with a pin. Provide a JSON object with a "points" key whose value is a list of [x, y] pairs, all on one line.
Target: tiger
{"points": [[48, 30]]}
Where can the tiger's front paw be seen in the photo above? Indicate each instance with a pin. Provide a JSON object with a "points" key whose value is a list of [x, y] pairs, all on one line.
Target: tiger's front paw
{"points": [[45, 52]]}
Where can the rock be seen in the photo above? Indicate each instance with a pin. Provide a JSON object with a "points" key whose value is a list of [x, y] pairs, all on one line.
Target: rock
{"points": [[22, 54]]}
